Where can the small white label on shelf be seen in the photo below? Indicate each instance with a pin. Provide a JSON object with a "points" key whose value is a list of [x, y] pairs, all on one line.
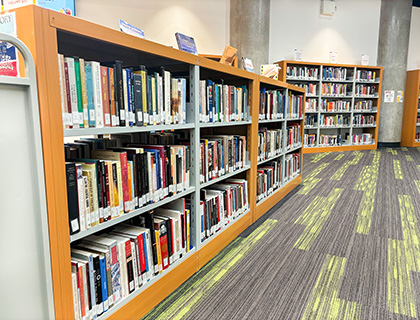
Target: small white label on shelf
{"points": [[107, 118], [122, 114], [75, 225], [365, 60]]}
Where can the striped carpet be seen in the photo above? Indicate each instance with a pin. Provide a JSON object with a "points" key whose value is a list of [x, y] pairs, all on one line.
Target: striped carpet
{"points": [[344, 245]]}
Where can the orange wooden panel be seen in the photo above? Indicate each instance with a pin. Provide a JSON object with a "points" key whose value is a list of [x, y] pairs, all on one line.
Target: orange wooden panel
{"points": [[215, 245], [253, 143], [411, 100], [269, 202], [150, 297]]}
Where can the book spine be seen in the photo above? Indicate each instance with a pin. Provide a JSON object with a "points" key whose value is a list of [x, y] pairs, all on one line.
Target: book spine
{"points": [[84, 93], [72, 197], [97, 93], [111, 90], [105, 96], [119, 87], [138, 98], [79, 91], [81, 196]]}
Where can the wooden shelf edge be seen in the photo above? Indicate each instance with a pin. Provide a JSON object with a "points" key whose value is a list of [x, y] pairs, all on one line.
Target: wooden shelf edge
{"points": [[215, 245], [152, 296], [269, 202]]}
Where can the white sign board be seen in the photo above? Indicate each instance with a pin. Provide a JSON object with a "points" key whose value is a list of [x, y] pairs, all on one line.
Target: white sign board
{"points": [[365, 60], [389, 96], [333, 56]]}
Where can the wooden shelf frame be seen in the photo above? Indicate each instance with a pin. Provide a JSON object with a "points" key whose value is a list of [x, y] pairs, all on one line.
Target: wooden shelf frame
{"points": [[352, 98], [411, 112], [52, 32]]}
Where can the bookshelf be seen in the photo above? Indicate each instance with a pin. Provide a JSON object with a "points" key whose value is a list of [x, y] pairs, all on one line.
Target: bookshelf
{"points": [[410, 135], [54, 33], [336, 104]]}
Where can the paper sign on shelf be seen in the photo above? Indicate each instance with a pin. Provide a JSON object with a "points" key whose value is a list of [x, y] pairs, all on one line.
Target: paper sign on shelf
{"points": [[333, 56], [9, 64], [298, 54], [129, 29], [400, 96], [389, 96], [365, 60]]}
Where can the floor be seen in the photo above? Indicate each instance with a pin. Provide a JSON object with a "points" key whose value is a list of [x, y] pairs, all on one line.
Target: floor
{"points": [[345, 245]]}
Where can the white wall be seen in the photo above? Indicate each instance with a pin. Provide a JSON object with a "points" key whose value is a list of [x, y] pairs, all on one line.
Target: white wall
{"points": [[206, 21], [353, 30], [414, 44]]}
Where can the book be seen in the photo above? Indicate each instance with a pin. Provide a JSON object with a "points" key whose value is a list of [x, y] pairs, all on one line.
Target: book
{"points": [[229, 54], [72, 196], [186, 43]]}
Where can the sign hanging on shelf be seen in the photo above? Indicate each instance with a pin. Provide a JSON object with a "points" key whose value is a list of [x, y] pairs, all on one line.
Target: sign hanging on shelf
{"points": [[298, 54], [389, 96], [365, 60], [333, 56]]}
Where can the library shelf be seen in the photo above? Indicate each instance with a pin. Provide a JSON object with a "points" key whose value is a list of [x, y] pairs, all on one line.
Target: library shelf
{"points": [[293, 149], [52, 33], [410, 127], [118, 130], [271, 121], [332, 112], [224, 177], [353, 83], [365, 111], [270, 159], [224, 124], [334, 127], [129, 215]]}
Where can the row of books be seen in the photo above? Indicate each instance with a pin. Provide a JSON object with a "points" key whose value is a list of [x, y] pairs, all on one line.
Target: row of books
{"points": [[220, 204], [361, 90], [272, 104], [110, 266], [310, 88], [95, 95], [294, 106], [417, 137], [334, 89], [362, 138], [293, 136], [418, 121], [330, 140], [311, 105], [334, 74], [365, 75], [309, 140], [220, 155], [270, 143], [335, 120], [269, 178], [103, 184], [335, 106], [291, 166], [311, 121], [362, 120], [220, 102], [302, 73], [365, 105]]}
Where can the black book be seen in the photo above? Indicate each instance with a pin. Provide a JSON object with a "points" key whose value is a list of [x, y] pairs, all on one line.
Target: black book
{"points": [[178, 170], [149, 99], [98, 283], [72, 198], [169, 235], [105, 199], [146, 220]]}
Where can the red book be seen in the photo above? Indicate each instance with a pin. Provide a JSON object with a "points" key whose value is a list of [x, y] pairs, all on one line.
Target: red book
{"points": [[66, 76], [105, 96], [111, 87]]}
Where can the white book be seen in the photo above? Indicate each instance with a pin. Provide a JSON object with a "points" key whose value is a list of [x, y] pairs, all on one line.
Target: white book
{"points": [[167, 96], [73, 90], [87, 202], [161, 115]]}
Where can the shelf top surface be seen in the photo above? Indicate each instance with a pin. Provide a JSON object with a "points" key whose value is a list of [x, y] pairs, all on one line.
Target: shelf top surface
{"points": [[307, 63]]}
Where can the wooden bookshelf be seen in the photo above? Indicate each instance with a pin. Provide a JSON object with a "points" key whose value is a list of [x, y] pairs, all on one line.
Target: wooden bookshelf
{"points": [[410, 126], [216, 57], [351, 96], [48, 33]]}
